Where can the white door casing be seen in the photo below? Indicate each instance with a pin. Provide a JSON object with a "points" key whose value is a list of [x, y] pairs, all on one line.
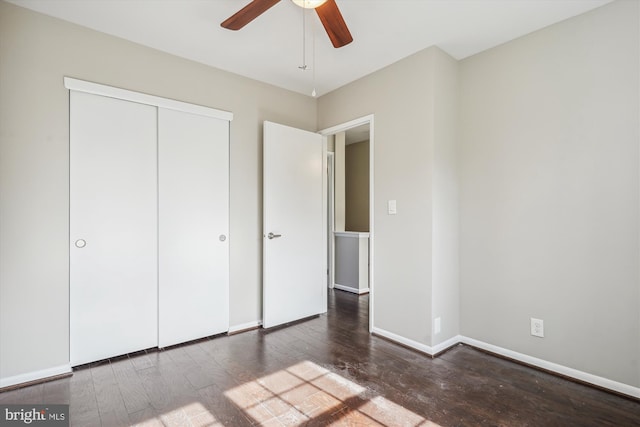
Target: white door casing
{"points": [[193, 163], [365, 120], [330, 220], [294, 270], [113, 227]]}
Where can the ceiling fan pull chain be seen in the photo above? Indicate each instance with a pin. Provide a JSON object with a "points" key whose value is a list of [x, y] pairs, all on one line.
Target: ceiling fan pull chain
{"points": [[304, 42], [313, 63]]}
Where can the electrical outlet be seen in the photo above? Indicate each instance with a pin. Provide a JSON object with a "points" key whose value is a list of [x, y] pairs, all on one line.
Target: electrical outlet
{"points": [[436, 325], [537, 327]]}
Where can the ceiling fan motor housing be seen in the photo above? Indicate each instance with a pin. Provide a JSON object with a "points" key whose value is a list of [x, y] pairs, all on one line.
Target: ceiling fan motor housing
{"points": [[327, 11]]}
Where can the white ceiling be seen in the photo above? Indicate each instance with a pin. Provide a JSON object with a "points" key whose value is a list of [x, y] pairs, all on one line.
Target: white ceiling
{"points": [[269, 49]]}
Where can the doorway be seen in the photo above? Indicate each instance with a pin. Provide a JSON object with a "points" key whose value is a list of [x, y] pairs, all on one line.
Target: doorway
{"points": [[353, 132]]}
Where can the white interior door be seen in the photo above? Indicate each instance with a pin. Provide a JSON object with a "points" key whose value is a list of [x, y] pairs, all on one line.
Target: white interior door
{"points": [[294, 270], [113, 227], [193, 153]]}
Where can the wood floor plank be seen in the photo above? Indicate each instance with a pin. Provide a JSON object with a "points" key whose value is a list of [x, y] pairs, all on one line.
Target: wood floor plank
{"points": [[156, 388], [147, 417], [222, 409], [32, 394], [85, 419], [57, 392], [107, 392], [131, 389], [82, 401]]}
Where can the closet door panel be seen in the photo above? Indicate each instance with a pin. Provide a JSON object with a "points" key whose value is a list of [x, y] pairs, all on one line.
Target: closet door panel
{"points": [[113, 227], [193, 226]]}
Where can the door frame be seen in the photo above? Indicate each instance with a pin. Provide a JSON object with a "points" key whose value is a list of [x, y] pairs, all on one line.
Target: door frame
{"points": [[331, 218], [368, 119]]}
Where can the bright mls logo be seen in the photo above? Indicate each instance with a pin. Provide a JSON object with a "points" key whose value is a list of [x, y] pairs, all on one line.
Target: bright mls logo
{"points": [[35, 415]]}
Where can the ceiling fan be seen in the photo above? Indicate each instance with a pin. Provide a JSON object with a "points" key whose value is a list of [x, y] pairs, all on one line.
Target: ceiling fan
{"points": [[327, 11]]}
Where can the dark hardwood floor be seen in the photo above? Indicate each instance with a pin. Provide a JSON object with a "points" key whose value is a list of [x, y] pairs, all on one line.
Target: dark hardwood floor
{"points": [[323, 371]]}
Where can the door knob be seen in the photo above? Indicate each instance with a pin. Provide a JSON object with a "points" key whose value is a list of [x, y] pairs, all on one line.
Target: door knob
{"points": [[273, 236], [80, 243]]}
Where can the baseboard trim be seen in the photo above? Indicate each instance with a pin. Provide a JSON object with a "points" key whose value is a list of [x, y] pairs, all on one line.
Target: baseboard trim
{"points": [[432, 351], [351, 289], [564, 371], [438, 349], [606, 384], [402, 340], [34, 377], [244, 327]]}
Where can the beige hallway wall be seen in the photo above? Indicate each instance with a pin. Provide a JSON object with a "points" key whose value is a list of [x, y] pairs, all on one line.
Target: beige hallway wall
{"points": [[357, 186]]}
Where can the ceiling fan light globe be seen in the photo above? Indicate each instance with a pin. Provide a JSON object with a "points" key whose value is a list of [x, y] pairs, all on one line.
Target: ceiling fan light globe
{"points": [[309, 4]]}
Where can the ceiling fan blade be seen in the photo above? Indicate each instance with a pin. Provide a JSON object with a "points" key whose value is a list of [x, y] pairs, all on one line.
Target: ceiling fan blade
{"points": [[334, 24], [248, 14]]}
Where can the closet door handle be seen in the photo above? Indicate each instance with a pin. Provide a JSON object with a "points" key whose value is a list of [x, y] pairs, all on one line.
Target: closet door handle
{"points": [[273, 236], [80, 243]]}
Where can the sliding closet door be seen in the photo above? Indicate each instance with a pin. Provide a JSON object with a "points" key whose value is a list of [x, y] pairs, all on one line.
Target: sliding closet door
{"points": [[113, 227], [193, 162]]}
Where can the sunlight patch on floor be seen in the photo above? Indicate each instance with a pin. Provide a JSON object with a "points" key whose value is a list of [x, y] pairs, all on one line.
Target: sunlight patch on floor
{"points": [[306, 392], [192, 415]]}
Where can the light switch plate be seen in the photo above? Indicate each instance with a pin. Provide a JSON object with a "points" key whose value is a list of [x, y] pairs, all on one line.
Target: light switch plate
{"points": [[391, 207]]}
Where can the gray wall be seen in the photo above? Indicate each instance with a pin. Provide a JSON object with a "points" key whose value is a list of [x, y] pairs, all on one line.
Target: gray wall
{"points": [[445, 225], [407, 133], [540, 137], [37, 51], [549, 193]]}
